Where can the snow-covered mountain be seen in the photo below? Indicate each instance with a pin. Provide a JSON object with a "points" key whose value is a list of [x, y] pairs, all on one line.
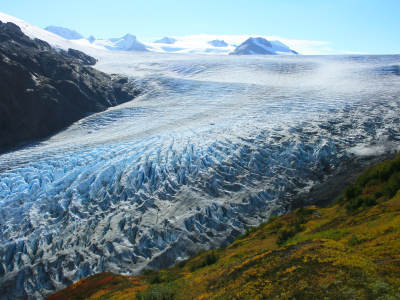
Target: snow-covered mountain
{"points": [[93, 47], [66, 33], [128, 42], [261, 46], [218, 43], [54, 40], [166, 40]]}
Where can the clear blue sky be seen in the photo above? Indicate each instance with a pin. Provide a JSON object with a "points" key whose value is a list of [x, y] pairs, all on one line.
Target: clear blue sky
{"points": [[369, 26]]}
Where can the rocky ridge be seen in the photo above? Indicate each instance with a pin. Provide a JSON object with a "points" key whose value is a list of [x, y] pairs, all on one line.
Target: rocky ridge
{"points": [[42, 90]]}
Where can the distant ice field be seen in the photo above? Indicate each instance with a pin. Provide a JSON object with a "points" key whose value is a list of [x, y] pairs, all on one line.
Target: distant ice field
{"points": [[191, 95], [211, 145]]}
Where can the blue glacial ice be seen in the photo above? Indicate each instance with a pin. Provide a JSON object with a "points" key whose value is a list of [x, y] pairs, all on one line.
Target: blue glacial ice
{"points": [[211, 146]]}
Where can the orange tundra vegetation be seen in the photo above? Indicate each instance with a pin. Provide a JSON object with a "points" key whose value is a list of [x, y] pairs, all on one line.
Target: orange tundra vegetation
{"points": [[349, 250]]}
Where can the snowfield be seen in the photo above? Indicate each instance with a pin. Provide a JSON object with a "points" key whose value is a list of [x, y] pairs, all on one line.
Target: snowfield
{"points": [[212, 145]]}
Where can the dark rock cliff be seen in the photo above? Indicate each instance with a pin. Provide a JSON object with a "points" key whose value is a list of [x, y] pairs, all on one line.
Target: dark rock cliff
{"points": [[42, 91]]}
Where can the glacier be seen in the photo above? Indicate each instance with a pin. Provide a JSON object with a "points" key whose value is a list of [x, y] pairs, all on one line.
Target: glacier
{"points": [[213, 144]]}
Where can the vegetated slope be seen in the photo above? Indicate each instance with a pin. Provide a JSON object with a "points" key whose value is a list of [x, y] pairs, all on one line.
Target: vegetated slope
{"points": [[42, 91], [349, 250]]}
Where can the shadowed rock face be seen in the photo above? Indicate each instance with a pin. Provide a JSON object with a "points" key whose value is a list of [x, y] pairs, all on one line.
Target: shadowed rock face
{"points": [[83, 58], [42, 91]]}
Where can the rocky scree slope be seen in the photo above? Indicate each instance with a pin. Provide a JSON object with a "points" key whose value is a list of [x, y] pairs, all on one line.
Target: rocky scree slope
{"points": [[42, 90]]}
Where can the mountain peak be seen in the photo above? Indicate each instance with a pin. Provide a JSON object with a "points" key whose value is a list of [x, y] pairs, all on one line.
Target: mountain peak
{"points": [[218, 43], [261, 46], [166, 40], [126, 43], [66, 33]]}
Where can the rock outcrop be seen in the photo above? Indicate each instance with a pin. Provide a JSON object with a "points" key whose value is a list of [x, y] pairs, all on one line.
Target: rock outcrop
{"points": [[83, 58], [42, 91]]}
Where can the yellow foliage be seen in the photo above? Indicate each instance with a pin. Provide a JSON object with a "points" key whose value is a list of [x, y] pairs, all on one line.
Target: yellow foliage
{"points": [[339, 254]]}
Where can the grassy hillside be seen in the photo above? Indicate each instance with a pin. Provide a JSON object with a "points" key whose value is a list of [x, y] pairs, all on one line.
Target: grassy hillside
{"points": [[350, 250]]}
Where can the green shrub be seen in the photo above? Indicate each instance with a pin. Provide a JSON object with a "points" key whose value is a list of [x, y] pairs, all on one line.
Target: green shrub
{"points": [[393, 184], [370, 201], [352, 191], [201, 251], [353, 240], [383, 181], [295, 227], [210, 259], [148, 272], [182, 263], [252, 229], [156, 280], [362, 202], [158, 292], [271, 219], [302, 211]]}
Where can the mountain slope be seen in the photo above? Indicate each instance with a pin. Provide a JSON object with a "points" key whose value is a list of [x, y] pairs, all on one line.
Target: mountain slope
{"points": [[218, 43], [260, 46], [64, 32], [166, 40], [42, 91], [54, 40], [339, 252], [125, 43]]}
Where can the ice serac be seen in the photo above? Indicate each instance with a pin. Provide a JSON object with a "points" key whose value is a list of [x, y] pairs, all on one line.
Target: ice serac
{"points": [[218, 43], [261, 46], [64, 32], [166, 40], [42, 90]]}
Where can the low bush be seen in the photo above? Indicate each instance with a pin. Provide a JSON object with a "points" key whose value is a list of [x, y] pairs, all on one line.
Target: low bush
{"points": [[182, 263], [158, 292], [210, 259], [252, 229], [148, 272], [379, 182]]}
